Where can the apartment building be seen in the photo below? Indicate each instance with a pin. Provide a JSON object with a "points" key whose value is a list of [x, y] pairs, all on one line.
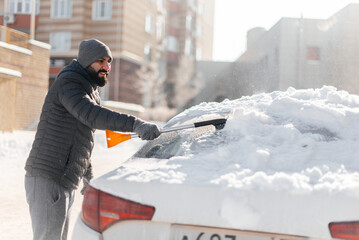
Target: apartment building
{"points": [[154, 42], [204, 30], [23, 79], [16, 14], [190, 24], [303, 53], [132, 29], [295, 52]]}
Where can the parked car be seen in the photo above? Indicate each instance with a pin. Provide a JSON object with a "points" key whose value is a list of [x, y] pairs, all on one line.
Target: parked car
{"points": [[258, 177]]}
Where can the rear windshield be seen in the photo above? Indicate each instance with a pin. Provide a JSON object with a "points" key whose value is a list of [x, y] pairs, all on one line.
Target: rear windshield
{"points": [[180, 143]]}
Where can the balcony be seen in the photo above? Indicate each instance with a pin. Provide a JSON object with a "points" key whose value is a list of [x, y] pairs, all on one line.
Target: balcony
{"points": [[14, 37], [174, 7]]}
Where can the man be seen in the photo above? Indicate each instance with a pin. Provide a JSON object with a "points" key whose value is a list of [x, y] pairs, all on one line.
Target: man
{"points": [[61, 151]]}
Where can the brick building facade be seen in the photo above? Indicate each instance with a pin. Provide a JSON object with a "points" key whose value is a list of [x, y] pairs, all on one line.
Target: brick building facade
{"points": [[154, 43], [295, 52], [24, 83]]}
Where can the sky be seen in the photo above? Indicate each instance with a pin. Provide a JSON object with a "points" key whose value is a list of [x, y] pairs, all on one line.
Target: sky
{"points": [[233, 18]]}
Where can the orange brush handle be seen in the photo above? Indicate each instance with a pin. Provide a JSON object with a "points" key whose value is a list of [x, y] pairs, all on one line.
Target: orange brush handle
{"points": [[114, 138]]}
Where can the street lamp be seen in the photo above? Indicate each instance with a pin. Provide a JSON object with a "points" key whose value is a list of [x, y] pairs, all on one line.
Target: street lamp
{"points": [[32, 22]]}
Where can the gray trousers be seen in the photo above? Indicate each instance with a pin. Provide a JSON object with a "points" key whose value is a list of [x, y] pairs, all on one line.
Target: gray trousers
{"points": [[50, 207]]}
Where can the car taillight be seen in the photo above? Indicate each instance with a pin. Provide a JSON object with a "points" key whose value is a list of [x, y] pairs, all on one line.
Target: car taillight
{"points": [[100, 209], [345, 230]]}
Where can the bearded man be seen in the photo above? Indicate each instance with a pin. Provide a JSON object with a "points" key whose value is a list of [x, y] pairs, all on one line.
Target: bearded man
{"points": [[61, 152]]}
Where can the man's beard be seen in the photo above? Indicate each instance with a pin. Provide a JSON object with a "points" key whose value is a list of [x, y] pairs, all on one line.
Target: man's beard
{"points": [[100, 81]]}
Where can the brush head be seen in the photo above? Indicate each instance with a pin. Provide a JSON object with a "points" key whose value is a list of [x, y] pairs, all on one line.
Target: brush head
{"points": [[114, 138]]}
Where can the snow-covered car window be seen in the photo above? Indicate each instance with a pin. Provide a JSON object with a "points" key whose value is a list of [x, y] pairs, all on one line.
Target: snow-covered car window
{"points": [[179, 143]]}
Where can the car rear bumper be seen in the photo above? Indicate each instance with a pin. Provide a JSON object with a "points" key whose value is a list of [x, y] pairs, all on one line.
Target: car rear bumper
{"points": [[129, 230], [151, 230], [82, 231]]}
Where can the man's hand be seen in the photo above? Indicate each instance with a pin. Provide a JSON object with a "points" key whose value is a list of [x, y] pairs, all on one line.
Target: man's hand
{"points": [[146, 130]]}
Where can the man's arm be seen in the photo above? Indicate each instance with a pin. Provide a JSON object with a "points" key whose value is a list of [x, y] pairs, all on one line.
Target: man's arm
{"points": [[78, 102]]}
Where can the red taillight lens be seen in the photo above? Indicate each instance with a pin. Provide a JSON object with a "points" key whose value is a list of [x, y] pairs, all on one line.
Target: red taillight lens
{"points": [[345, 230], [100, 209]]}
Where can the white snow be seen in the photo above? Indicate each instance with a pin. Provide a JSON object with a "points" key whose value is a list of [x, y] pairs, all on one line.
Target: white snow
{"points": [[14, 148], [283, 149], [289, 157], [299, 141]]}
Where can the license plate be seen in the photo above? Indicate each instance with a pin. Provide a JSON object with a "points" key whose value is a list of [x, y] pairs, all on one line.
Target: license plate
{"points": [[183, 232]]}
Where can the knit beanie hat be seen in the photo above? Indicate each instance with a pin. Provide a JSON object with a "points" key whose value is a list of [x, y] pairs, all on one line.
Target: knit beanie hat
{"points": [[92, 50]]}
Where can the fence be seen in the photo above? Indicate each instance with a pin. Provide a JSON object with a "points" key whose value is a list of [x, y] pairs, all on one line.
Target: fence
{"points": [[14, 37]]}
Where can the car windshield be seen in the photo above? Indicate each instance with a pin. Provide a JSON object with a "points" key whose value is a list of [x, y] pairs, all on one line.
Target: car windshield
{"points": [[180, 143]]}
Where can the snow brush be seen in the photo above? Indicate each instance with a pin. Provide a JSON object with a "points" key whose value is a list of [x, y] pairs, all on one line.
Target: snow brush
{"points": [[114, 138]]}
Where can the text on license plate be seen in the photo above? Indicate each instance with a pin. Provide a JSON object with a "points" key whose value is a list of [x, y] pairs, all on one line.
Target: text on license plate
{"points": [[182, 232]]}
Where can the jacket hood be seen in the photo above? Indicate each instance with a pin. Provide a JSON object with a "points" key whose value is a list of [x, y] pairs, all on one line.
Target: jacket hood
{"points": [[75, 66]]}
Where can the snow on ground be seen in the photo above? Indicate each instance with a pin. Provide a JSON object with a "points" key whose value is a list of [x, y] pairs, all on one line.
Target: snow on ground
{"points": [[14, 148], [303, 142]]}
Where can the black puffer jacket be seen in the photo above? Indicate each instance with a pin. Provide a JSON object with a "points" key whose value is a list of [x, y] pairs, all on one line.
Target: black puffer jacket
{"points": [[65, 136]]}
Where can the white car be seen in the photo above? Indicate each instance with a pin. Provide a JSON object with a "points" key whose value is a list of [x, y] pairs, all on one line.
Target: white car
{"points": [[281, 168]]}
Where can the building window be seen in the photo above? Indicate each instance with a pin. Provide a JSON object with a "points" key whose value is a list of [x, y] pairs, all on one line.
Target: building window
{"points": [[148, 53], [159, 4], [101, 9], [199, 54], [60, 41], [148, 24], [200, 9], [147, 99], [199, 31], [189, 47], [159, 26], [189, 22], [61, 9], [23, 6], [313, 54], [172, 44], [57, 63], [192, 4]]}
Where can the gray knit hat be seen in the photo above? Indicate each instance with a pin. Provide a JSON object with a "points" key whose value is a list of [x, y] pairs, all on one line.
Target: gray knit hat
{"points": [[92, 50]]}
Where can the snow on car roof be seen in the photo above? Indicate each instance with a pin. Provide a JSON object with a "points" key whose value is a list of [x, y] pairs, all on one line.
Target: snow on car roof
{"points": [[285, 162], [299, 141]]}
